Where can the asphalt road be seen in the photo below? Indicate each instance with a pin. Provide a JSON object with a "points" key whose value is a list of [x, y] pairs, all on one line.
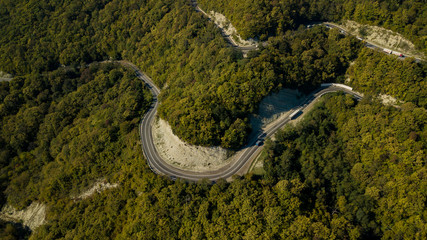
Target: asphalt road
{"points": [[159, 166]]}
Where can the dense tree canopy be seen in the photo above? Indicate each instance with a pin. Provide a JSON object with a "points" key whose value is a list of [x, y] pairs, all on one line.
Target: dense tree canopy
{"points": [[213, 108], [361, 162], [79, 126], [210, 89], [374, 72]]}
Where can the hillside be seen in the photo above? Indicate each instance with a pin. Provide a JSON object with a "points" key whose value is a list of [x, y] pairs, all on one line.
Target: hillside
{"points": [[69, 120]]}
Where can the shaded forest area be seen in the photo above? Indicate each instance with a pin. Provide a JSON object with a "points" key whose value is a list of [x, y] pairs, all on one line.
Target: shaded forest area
{"points": [[263, 18]]}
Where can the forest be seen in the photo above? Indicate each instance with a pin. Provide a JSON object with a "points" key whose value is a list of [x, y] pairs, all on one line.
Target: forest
{"points": [[349, 170], [62, 130], [263, 18]]}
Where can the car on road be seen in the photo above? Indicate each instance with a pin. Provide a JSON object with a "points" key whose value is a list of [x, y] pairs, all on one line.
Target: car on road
{"points": [[262, 136], [259, 142]]}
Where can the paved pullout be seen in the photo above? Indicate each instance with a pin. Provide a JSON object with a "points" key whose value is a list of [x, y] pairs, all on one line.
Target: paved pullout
{"points": [[159, 166]]}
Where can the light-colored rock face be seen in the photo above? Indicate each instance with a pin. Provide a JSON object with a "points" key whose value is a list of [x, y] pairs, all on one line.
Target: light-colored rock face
{"points": [[389, 100], [183, 155], [382, 37], [33, 216], [99, 186], [225, 25], [5, 76], [222, 22], [195, 158]]}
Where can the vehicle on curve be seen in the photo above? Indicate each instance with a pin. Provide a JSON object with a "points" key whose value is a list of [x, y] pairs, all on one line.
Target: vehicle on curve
{"points": [[295, 114]]}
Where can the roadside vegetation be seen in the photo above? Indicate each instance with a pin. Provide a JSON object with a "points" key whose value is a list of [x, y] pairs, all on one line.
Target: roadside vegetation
{"points": [[209, 88], [362, 163], [213, 109], [382, 38]]}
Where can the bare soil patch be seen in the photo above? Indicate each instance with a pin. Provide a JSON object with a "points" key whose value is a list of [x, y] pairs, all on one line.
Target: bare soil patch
{"points": [[389, 100], [183, 155], [222, 22]]}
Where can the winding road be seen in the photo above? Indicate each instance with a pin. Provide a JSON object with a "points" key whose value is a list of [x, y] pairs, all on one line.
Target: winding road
{"points": [[250, 151]]}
